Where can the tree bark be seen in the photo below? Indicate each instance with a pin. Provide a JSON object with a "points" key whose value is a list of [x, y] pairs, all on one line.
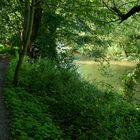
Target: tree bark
{"points": [[36, 25], [27, 31], [121, 15], [132, 11]]}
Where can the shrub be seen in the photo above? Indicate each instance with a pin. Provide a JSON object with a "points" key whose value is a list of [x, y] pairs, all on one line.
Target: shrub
{"points": [[81, 110]]}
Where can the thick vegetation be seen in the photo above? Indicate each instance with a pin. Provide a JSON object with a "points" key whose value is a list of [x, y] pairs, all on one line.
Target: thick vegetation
{"points": [[46, 96], [55, 103]]}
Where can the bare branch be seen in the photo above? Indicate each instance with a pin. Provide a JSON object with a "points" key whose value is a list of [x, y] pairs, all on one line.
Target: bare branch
{"points": [[120, 14], [133, 11], [109, 8]]}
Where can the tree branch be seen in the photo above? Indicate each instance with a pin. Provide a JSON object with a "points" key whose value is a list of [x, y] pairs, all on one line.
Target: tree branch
{"points": [[120, 14], [133, 11]]}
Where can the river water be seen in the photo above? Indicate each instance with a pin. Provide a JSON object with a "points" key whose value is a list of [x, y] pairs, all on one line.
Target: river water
{"points": [[109, 73]]}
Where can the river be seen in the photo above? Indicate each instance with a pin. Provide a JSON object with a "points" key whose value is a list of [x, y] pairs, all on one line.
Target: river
{"points": [[111, 73]]}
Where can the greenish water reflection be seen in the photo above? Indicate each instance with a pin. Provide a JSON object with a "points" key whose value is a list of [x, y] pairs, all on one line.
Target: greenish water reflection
{"points": [[92, 72]]}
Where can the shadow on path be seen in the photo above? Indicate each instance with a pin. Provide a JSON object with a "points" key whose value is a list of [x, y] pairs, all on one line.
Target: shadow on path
{"points": [[4, 131]]}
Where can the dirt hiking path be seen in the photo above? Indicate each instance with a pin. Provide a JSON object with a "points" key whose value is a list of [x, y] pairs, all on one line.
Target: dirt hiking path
{"points": [[4, 131]]}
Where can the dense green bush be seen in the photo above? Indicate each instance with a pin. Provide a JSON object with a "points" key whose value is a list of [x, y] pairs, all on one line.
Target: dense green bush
{"points": [[54, 96], [29, 118]]}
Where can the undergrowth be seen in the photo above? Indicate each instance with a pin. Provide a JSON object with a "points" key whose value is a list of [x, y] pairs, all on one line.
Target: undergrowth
{"points": [[54, 103]]}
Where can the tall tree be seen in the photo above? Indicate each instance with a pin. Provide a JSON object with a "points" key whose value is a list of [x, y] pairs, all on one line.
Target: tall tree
{"points": [[28, 18], [62, 21]]}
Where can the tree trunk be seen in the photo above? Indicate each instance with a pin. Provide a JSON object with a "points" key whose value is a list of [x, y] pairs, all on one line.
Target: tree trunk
{"points": [[35, 29], [27, 31]]}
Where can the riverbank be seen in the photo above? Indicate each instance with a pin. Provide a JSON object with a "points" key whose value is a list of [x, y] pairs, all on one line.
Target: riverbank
{"points": [[121, 63]]}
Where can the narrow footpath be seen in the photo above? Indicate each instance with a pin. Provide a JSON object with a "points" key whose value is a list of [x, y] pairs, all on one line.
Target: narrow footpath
{"points": [[4, 135]]}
